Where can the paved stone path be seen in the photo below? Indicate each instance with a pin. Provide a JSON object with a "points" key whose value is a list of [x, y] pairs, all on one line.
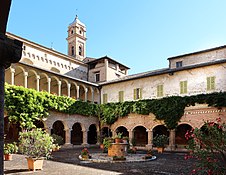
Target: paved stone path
{"points": [[66, 162]]}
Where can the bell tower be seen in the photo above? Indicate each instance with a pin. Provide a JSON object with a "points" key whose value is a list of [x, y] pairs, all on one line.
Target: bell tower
{"points": [[77, 39]]}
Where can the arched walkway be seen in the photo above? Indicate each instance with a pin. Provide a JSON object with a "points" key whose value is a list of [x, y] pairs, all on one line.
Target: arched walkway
{"points": [[180, 134], [39, 124], [160, 130], [11, 130], [76, 134], [58, 129], [92, 134], [140, 136], [122, 130], [106, 132]]}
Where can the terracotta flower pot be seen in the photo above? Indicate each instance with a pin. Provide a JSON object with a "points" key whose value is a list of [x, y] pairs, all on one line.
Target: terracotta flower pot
{"points": [[118, 140], [34, 164], [160, 149], [8, 157]]}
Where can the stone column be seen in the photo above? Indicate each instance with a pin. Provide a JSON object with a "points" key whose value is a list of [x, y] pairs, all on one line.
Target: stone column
{"points": [[25, 79], [37, 83], [150, 139], [130, 136], [68, 89], [92, 91], [59, 88], [85, 136], [98, 136], [68, 137], [78, 95], [12, 70], [86, 94], [172, 139], [49, 85]]}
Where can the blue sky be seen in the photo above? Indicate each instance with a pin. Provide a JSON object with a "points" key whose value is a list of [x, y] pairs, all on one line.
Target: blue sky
{"points": [[140, 34]]}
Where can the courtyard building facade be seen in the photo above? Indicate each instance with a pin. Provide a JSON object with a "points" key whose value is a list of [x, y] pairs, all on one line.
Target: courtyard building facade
{"points": [[105, 80]]}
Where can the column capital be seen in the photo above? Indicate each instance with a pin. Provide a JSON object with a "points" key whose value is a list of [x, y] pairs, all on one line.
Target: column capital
{"points": [[59, 82], [25, 74], [12, 70], [49, 79], [86, 89], [68, 85], [38, 77]]}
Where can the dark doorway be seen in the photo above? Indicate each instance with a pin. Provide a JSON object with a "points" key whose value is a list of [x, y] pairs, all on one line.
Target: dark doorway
{"points": [[92, 134], [140, 136], [76, 134], [58, 129]]}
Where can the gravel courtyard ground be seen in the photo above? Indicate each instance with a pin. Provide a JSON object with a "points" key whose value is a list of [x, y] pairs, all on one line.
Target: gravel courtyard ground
{"points": [[66, 162]]}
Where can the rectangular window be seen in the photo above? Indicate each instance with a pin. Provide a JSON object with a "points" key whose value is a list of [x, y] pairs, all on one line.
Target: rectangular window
{"points": [[160, 90], [179, 64], [137, 94], [105, 98], [97, 76], [210, 83], [121, 96], [183, 87]]}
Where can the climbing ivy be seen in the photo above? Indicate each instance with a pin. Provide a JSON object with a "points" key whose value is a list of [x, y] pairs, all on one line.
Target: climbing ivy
{"points": [[27, 105]]}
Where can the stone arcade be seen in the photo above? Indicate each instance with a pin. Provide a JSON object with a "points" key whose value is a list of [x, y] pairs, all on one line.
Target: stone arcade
{"points": [[103, 80]]}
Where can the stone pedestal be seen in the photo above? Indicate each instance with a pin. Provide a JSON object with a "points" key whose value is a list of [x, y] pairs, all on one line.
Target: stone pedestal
{"points": [[117, 149]]}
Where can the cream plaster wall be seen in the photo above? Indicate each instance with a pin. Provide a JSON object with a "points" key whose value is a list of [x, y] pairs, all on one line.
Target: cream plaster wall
{"points": [[204, 57], [196, 80]]}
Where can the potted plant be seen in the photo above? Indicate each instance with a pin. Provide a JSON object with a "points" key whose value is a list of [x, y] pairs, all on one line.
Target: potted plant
{"points": [[118, 137], [9, 149], [57, 141], [85, 154], [36, 145], [107, 142], [160, 141]]}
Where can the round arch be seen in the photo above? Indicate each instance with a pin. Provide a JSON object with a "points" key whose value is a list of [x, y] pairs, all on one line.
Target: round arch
{"points": [[180, 134], [43, 82], [64, 87], [58, 129], [19, 76], [54, 85], [32, 79], [123, 130], [92, 134], [140, 137], [76, 134]]}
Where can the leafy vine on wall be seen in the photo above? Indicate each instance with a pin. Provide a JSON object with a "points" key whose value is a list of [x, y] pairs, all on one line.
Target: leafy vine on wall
{"points": [[27, 105]]}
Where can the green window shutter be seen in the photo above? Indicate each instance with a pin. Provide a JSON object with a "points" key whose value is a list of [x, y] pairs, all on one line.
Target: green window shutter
{"points": [[212, 82], [121, 96], [105, 98], [181, 87], [140, 93], [185, 87], [160, 90], [134, 94], [208, 83]]}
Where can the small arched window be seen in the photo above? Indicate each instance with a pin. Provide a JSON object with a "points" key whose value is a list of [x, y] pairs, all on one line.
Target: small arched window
{"points": [[80, 50], [72, 50]]}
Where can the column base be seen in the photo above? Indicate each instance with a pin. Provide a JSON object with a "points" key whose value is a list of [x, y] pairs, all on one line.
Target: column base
{"points": [[149, 146], [67, 145]]}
